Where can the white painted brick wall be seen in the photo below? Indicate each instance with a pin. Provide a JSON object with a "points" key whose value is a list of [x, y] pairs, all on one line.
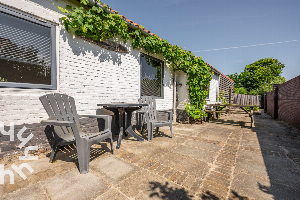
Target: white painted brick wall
{"points": [[86, 72]]}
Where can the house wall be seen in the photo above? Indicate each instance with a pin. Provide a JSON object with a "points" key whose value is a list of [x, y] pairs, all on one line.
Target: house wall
{"points": [[183, 93], [213, 89], [87, 72], [225, 86]]}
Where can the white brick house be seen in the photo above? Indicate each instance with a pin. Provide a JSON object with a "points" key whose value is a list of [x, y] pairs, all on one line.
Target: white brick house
{"points": [[85, 71], [38, 56]]}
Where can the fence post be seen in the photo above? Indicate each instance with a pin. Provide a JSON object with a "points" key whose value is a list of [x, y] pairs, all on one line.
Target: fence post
{"points": [[275, 89], [265, 102]]}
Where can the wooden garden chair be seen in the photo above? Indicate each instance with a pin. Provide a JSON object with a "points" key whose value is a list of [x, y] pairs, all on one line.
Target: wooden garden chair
{"points": [[63, 116]]}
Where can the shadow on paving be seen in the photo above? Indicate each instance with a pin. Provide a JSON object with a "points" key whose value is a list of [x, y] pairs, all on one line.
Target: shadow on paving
{"points": [[269, 159], [243, 124], [69, 153], [167, 192], [164, 191], [280, 149]]}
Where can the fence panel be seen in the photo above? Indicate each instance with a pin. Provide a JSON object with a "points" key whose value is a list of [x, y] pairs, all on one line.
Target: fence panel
{"points": [[242, 99]]}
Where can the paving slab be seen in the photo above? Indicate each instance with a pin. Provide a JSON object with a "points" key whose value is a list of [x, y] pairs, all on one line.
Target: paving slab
{"points": [[167, 142], [193, 167], [112, 169], [112, 194], [196, 153], [145, 185], [251, 186], [251, 156], [253, 168], [32, 192], [148, 150], [206, 145], [224, 159], [217, 134], [73, 185], [283, 192], [286, 177], [249, 136], [284, 163]]}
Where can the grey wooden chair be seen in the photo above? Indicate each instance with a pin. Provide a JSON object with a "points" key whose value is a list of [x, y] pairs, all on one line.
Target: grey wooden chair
{"points": [[148, 116], [63, 116]]}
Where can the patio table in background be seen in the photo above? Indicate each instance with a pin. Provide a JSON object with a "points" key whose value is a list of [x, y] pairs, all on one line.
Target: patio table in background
{"points": [[217, 111], [119, 109]]}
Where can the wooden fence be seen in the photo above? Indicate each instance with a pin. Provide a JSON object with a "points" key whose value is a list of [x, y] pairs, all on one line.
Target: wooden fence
{"points": [[243, 99]]}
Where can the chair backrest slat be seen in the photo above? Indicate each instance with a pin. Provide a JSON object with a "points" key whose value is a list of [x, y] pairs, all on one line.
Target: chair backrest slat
{"points": [[74, 112], [55, 100], [58, 107], [151, 109]]}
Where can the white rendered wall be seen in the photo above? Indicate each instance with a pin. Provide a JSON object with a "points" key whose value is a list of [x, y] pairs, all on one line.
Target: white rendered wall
{"points": [[86, 72], [183, 93], [214, 89]]}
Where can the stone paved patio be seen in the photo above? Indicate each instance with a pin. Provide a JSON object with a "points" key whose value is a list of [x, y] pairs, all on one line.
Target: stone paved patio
{"points": [[222, 159]]}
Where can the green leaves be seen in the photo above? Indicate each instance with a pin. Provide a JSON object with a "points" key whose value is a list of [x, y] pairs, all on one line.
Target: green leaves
{"points": [[84, 2], [258, 77], [96, 24]]}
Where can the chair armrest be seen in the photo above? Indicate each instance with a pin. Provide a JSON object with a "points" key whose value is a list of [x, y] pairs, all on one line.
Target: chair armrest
{"points": [[107, 119], [57, 123], [165, 111], [170, 114]]}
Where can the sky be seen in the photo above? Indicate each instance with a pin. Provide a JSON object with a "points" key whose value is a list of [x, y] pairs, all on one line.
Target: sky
{"points": [[228, 34]]}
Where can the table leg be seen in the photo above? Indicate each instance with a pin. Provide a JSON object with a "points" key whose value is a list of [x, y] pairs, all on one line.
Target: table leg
{"points": [[121, 114], [128, 126], [250, 115], [252, 118]]}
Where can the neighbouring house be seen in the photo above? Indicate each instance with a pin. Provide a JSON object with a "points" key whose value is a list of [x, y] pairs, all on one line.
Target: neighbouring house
{"points": [[219, 83], [38, 56]]}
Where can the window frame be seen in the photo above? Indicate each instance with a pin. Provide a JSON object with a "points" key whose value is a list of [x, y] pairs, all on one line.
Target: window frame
{"points": [[27, 17], [162, 75]]}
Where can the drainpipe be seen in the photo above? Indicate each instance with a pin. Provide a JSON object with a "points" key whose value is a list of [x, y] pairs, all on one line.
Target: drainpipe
{"points": [[93, 2], [174, 97]]}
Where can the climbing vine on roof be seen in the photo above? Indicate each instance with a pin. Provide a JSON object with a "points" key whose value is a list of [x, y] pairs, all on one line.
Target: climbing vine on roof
{"points": [[94, 23]]}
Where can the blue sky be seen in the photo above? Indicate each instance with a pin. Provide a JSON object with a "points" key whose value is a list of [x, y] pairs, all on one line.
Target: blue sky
{"points": [[203, 25]]}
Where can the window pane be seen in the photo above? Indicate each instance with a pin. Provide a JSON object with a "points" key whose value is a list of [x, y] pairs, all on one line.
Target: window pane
{"points": [[151, 77], [24, 51]]}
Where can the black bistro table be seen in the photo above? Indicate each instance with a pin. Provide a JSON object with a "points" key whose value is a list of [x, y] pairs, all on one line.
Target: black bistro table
{"points": [[119, 109]]}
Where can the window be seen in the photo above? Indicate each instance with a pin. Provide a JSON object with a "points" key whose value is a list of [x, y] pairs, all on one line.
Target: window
{"points": [[151, 76], [27, 51]]}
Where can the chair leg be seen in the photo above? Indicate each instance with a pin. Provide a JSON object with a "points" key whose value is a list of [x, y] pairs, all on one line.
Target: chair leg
{"points": [[150, 131], [157, 129], [142, 129], [111, 145], [83, 151], [53, 152]]}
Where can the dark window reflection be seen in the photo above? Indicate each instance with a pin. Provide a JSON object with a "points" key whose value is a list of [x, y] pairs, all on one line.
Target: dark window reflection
{"points": [[151, 76], [24, 51]]}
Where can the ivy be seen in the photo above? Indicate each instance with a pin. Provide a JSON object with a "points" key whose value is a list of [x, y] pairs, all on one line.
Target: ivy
{"points": [[3, 80], [94, 23]]}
